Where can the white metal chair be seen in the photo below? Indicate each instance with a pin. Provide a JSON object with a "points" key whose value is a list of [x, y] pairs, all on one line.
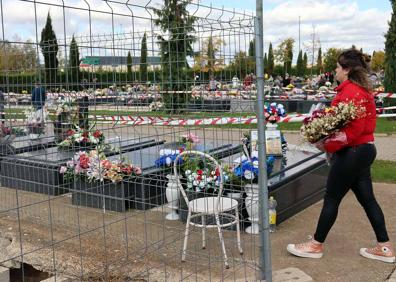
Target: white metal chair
{"points": [[207, 206]]}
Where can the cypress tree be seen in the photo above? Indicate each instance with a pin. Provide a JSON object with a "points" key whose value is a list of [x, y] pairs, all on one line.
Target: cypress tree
{"points": [[319, 63], [174, 19], [288, 64], [271, 63], [252, 56], [211, 56], [265, 63], [252, 48], [129, 67], [74, 64], [49, 48], [143, 59], [300, 64], [304, 64], [390, 53]]}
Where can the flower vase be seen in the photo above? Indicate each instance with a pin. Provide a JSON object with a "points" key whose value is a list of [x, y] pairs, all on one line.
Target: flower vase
{"points": [[251, 202], [172, 196]]}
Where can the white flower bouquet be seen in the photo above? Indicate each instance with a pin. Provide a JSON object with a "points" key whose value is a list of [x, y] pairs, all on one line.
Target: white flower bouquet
{"points": [[36, 120]]}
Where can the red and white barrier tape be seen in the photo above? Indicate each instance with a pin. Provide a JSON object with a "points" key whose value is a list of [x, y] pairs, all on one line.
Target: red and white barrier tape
{"points": [[385, 95], [195, 122], [140, 120]]}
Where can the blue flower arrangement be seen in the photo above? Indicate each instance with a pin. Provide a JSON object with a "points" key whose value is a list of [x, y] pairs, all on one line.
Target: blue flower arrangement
{"points": [[167, 157], [248, 169]]}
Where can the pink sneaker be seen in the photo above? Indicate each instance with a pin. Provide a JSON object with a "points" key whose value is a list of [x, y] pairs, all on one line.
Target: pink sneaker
{"points": [[310, 249], [383, 252]]}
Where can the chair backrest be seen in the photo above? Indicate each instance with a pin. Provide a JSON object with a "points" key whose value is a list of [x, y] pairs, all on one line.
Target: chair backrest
{"points": [[210, 158]]}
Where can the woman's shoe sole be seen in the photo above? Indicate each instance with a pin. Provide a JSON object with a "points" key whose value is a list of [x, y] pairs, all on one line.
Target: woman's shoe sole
{"points": [[365, 254], [291, 249]]}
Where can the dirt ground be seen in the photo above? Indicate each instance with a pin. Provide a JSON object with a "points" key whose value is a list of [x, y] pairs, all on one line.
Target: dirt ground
{"points": [[87, 244]]}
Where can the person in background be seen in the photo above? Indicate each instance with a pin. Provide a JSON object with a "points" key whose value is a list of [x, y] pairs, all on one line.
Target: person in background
{"points": [[322, 81], [331, 78], [248, 80], [212, 84], [38, 96], [286, 80], [353, 152]]}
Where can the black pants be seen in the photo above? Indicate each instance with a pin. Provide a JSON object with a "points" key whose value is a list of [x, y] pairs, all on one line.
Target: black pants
{"points": [[350, 169]]}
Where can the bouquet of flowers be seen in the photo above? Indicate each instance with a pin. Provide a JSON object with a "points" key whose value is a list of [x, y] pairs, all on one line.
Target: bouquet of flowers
{"points": [[203, 180], [94, 166], [167, 156], [273, 112], [156, 106], [16, 131], [188, 140], [8, 134], [36, 120], [248, 168], [202, 176], [82, 138], [324, 122], [65, 106]]}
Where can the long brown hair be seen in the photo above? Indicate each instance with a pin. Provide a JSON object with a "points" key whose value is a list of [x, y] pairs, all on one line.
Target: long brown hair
{"points": [[358, 65]]}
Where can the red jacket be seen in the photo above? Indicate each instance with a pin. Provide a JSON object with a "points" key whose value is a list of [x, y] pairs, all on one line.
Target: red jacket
{"points": [[358, 131]]}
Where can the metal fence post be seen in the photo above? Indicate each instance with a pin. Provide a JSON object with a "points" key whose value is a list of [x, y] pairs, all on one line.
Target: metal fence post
{"points": [[265, 245]]}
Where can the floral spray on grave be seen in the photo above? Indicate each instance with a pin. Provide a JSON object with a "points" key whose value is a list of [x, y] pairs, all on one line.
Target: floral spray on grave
{"points": [[168, 156]]}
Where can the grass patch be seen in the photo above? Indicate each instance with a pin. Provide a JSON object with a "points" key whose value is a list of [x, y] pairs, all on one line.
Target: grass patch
{"points": [[383, 171], [386, 126]]}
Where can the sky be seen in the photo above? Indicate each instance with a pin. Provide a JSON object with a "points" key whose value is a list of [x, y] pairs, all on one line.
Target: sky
{"points": [[335, 23], [338, 23]]}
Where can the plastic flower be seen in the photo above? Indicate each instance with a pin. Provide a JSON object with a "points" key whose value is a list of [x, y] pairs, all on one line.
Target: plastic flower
{"points": [[87, 137], [273, 112], [63, 169], [106, 164], [97, 134]]}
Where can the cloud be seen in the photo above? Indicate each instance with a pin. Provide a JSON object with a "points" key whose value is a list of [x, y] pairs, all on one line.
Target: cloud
{"points": [[338, 23]]}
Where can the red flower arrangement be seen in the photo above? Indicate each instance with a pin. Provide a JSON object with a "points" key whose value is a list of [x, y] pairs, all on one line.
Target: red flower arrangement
{"points": [[81, 137]]}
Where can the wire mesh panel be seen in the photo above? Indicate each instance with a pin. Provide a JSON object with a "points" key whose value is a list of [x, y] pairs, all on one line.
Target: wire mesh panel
{"points": [[99, 99]]}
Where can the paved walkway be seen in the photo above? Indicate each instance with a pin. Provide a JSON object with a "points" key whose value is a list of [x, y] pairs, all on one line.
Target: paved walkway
{"points": [[386, 144], [352, 230]]}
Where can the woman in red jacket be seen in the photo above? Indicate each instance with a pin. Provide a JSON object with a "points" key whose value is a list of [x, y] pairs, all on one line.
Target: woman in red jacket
{"points": [[353, 153]]}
